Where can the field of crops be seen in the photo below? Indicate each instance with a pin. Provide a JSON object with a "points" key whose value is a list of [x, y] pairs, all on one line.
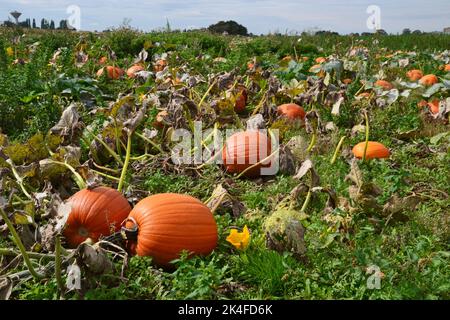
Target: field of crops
{"points": [[357, 208]]}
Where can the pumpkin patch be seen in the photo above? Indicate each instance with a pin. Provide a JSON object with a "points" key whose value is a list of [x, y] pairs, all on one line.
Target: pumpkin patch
{"points": [[221, 163]]}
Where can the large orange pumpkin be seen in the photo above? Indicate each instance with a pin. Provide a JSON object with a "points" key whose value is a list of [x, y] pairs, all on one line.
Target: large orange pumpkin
{"points": [[375, 150], [97, 212], [414, 75], [112, 72], [429, 80], [169, 224], [386, 85], [291, 111], [245, 149], [131, 72]]}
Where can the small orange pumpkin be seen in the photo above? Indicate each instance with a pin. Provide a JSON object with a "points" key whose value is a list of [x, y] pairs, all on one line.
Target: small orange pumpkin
{"points": [[111, 72], [245, 149], [94, 213], [422, 103], [447, 67], [315, 68], [429, 80], [414, 75], [375, 150], [291, 111], [131, 72], [386, 85], [169, 224], [434, 106], [159, 121], [320, 60], [241, 101], [347, 81], [103, 60], [160, 65], [365, 95]]}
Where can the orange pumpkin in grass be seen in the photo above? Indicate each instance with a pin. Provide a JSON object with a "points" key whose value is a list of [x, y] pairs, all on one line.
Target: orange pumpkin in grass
{"points": [[169, 224], [160, 65], [422, 103], [429, 80], [94, 213], [364, 95], [245, 149], [111, 72], [320, 60], [241, 100], [386, 85], [434, 106], [103, 60], [375, 150], [347, 81], [291, 111], [131, 72], [447, 67], [414, 75], [315, 68]]}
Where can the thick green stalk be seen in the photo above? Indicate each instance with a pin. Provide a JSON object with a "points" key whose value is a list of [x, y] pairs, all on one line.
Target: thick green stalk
{"points": [[58, 276], [19, 179], [20, 245], [126, 163], [111, 151], [367, 135], [338, 148], [77, 177], [149, 141]]}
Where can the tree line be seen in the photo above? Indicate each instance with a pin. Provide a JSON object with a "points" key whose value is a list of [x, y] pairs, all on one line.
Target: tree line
{"points": [[44, 24]]}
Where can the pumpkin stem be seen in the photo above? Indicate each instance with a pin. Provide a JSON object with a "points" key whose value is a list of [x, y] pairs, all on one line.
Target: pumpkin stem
{"points": [[126, 163], [77, 177], [260, 104], [58, 276], [206, 94], [19, 179], [313, 141], [104, 144], [20, 245], [366, 117], [336, 152], [149, 141], [308, 195]]}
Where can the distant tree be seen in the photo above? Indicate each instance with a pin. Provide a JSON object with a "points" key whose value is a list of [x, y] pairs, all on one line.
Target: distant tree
{"points": [[34, 24], [43, 23], [231, 27], [406, 31], [366, 34], [417, 32], [381, 32], [326, 33], [52, 25], [63, 25]]}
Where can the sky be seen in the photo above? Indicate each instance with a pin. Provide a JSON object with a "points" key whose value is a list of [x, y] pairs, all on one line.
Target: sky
{"points": [[259, 16]]}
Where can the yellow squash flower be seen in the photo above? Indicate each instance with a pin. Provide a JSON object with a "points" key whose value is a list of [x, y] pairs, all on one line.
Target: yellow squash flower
{"points": [[239, 240], [10, 51]]}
